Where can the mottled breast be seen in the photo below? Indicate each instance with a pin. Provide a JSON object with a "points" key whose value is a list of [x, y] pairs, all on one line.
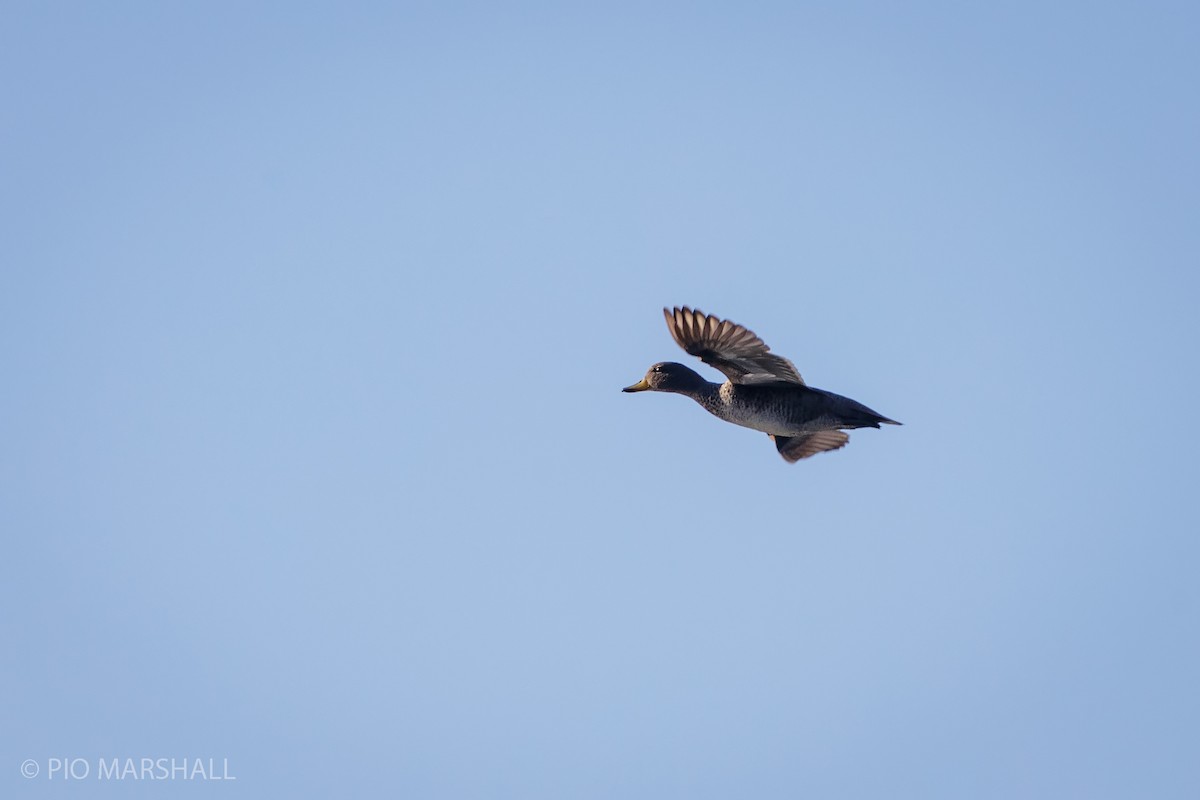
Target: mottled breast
{"points": [[758, 408]]}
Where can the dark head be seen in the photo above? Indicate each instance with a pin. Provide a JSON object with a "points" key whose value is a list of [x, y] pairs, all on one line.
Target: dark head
{"points": [[667, 376]]}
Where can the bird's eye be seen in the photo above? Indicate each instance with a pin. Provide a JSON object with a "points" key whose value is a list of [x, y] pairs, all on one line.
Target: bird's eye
{"points": [[657, 369]]}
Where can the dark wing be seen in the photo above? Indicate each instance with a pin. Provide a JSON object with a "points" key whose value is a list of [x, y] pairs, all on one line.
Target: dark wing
{"points": [[729, 347], [794, 448]]}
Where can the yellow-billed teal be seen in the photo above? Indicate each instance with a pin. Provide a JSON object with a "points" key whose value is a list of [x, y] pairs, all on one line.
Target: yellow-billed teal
{"points": [[764, 391]]}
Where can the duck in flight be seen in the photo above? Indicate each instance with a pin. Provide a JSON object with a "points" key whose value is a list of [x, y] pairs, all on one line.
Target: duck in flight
{"points": [[764, 391]]}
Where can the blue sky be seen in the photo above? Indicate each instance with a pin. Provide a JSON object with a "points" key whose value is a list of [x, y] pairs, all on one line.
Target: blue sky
{"points": [[313, 321]]}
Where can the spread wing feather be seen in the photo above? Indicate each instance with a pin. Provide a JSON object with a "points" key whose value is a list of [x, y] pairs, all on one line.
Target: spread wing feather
{"points": [[794, 448], [733, 349]]}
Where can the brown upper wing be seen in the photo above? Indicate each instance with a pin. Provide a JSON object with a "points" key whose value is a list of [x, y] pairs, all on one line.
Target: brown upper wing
{"points": [[729, 347], [794, 448]]}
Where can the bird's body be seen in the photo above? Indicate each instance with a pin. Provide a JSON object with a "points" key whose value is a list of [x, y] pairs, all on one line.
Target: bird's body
{"points": [[786, 411], [764, 391]]}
